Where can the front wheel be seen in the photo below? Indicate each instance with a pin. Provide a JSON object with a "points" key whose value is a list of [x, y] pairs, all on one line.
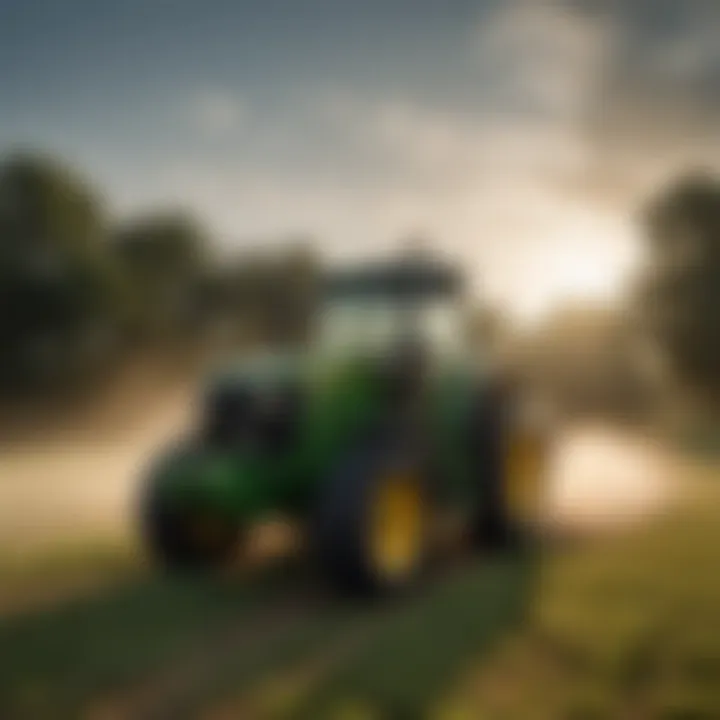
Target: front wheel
{"points": [[181, 535]]}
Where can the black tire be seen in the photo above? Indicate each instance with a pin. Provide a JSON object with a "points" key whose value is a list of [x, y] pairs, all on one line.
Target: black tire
{"points": [[340, 531], [491, 524], [166, 529]]}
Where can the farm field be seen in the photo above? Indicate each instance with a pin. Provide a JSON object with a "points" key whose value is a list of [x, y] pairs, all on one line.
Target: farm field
{"points": [[89, 631]]}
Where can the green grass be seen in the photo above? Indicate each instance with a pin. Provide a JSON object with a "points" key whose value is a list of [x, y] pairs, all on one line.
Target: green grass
{"points": [[416, 651], [700, 437], [88, 555], [53, 662], [45, 575], [181, 648], [625, 628]]}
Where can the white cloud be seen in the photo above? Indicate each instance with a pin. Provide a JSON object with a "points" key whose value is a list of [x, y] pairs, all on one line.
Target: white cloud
{"points": [[217, 113], [544, 55], [540, 69], [439, 148], [528, 245], [515, 192]]}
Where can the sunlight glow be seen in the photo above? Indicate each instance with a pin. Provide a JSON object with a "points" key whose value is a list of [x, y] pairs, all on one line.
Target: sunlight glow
{"points": [[592, 260]]}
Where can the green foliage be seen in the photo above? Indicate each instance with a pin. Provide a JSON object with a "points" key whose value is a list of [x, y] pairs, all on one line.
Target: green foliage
{"points": [[627, 627], [273, 294], [60, 291], [681, 292], [164, 256], [76, 294], [589, 360]]}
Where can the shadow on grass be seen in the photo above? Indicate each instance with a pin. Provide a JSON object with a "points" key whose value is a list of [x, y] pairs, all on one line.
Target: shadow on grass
{"points": [[198, 641], [415, 652], [52, 660]]}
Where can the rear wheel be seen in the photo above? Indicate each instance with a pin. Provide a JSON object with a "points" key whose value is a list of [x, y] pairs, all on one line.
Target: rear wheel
{"points": [[511, 459], [372, 523]]}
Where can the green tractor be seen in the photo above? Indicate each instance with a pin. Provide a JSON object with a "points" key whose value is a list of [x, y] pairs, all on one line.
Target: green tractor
{"points": [[391, 422]]}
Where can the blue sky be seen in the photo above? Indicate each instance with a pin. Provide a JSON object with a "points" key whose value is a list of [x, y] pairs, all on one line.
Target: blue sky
{"points": [[104, 73], [521, 134]]}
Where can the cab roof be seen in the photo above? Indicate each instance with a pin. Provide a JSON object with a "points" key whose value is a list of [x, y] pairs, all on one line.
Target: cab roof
{"points": [[404, 279]]}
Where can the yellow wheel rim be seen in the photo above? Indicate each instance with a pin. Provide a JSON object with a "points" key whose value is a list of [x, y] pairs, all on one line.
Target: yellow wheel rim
{"points": [[396, 526], [524, 472]]}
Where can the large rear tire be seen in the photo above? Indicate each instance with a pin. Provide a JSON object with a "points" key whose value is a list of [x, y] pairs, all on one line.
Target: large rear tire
{"points": [[372, 523]]}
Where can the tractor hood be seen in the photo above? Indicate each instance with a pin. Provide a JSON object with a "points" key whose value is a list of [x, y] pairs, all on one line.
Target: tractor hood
{"points": [[300, 368]]}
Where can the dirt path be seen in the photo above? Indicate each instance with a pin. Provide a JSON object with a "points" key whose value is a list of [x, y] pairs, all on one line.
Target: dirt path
{"points": [[601, 477], [83, 487]]}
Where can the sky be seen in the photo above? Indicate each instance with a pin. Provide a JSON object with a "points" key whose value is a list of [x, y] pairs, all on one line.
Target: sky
{"points": [[521, 136]]}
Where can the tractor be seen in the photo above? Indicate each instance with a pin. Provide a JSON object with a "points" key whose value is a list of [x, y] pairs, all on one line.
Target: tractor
{"points": [[391, 420]]}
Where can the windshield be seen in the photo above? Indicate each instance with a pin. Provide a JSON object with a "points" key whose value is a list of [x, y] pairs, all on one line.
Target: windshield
{"points": [[443, 328], [371, 324], [359, 325]]}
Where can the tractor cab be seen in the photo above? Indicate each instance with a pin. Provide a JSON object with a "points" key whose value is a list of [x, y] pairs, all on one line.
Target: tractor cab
{"points": [[406, 306], [402, 316]]}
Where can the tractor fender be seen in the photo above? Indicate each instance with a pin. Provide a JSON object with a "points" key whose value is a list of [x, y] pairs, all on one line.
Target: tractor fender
{"points": [[190, 475]]}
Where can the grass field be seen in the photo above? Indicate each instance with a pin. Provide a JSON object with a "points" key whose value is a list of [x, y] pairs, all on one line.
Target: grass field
{"points": [[623, 628], [620, 627], [159, 648]]}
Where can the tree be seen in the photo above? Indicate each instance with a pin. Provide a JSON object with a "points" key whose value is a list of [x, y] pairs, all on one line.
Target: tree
{"points": [[269, 297], [680, 294], [292, 291], [60, 291], [164, 255], [589, 359]]}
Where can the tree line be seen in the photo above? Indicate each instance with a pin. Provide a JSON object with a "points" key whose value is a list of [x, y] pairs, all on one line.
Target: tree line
{"points": [[80, 292], [679, 295]]}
